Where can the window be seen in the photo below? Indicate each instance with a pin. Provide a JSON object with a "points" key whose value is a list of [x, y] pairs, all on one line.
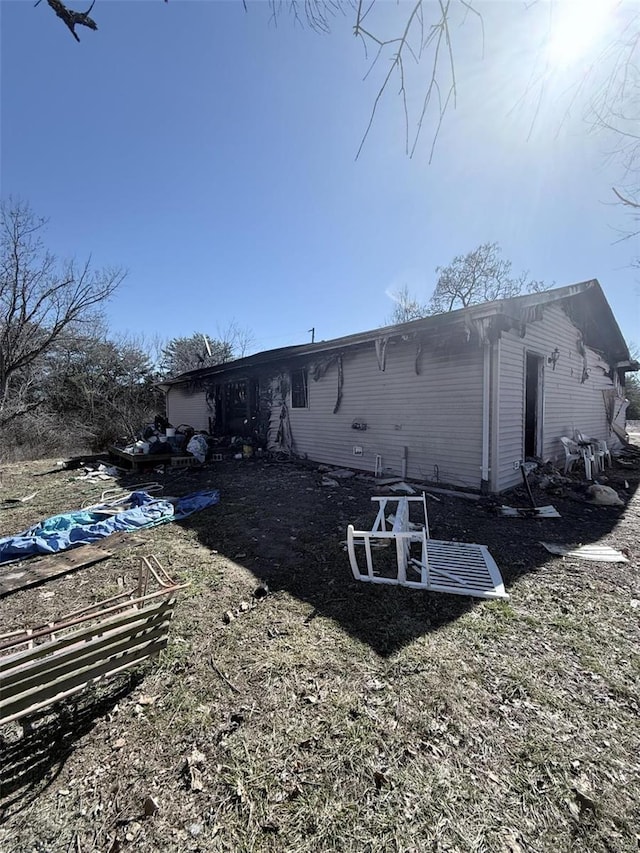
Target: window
{"points": [[299, 389]]}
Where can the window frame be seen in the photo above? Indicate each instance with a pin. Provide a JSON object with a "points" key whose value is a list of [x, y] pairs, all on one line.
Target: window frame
{"points": [[299, 389]]}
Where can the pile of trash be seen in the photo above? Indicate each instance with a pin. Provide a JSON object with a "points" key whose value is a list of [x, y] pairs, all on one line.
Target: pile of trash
{"points": [[545, 476], [162, 439]]}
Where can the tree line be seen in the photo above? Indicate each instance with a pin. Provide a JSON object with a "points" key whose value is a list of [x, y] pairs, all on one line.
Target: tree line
{"points": [[66, 381]]}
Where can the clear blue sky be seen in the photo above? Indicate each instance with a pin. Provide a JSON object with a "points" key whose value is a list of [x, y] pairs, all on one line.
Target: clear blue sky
{"points": [[213, 155]]}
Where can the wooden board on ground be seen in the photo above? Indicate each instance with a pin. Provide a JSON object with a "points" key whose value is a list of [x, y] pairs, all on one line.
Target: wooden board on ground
{"points": [[28, 573]]}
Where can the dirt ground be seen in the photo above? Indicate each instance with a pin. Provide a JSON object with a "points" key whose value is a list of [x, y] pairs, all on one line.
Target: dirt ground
{"points": [[332, 714]]}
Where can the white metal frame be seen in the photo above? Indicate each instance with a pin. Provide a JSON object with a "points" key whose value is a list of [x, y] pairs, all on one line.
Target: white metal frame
{"points": [[460, 568]]}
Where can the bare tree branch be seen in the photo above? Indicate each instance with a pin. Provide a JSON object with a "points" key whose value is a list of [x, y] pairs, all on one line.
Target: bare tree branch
{"points": [[72, 18]]}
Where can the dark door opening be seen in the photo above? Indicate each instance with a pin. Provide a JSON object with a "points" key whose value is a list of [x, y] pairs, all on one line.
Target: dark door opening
{"points": [[532, 405], [237, 408]]}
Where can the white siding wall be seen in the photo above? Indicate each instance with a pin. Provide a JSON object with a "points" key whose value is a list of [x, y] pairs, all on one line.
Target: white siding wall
{"points": [[569, 404], [437, 415], [185, 408]]}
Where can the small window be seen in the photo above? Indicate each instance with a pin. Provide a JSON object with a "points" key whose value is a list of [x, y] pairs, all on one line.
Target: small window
{"points": [[299, 389]]}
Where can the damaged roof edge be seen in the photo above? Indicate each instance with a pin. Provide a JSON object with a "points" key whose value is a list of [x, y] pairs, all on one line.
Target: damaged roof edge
{"points": [[600, 316]]}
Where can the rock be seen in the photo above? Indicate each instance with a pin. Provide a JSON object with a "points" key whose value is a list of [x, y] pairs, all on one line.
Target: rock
{"points": [[228, 616], [327, 481], [195, 829], [603, 496], [261, 591], [342, 474], [133, 830]]}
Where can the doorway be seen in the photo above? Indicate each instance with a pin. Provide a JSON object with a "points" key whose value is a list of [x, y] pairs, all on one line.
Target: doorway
{"points": [[533, 406]]}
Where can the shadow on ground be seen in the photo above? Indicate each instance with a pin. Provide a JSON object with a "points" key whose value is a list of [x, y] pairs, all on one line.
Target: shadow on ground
{"points": [[278, 521], [33, 757]]}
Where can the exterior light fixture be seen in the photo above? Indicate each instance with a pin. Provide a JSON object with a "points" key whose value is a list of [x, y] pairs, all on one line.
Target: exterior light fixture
{"points": [[553, 358]]}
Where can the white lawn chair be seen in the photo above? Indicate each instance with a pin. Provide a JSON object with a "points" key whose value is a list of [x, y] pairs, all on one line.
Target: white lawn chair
{"points": [[600, 452], [421, 562], [573, 452]]}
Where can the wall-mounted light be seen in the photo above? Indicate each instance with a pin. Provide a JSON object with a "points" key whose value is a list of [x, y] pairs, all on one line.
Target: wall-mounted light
{"points": [[553, 358]]}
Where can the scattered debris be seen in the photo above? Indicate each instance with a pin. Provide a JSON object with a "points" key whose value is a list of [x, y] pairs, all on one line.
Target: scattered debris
{"points": [[10, 503], [533, 511], [402, 488], [259, 594], [601, 553], [222, 675], [150, 806], [341, 474], [530, 512], [584, 799], [194, 765], [328, 481]]}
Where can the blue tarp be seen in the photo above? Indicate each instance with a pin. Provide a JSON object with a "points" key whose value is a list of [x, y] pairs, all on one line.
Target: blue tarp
{"points": [[82, 526]]}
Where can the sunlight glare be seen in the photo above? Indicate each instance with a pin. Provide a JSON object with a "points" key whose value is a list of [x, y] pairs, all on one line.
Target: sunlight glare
{"points": [[576, 29]]}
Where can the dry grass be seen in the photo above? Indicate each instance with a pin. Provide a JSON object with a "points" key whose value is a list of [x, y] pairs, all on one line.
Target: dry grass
{"points": [[333, 716]]}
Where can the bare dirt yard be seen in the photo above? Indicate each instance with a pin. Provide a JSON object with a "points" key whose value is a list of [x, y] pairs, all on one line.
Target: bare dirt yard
{"points": [[332, 715]]}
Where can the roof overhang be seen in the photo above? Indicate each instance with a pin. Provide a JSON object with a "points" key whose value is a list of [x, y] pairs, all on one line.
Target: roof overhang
{"points": [[584, 303]]}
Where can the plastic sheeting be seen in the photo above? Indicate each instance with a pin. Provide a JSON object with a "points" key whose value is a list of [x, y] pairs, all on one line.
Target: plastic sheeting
{"points": [[80, 527]]}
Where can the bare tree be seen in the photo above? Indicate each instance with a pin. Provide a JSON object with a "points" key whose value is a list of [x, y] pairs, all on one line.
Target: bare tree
{"points": [[423, 35], [240, 338], [481, 275], [41, 299], [406, 306], [420, 35]]}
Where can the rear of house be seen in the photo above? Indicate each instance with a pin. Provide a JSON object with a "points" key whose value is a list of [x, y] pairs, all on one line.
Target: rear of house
{"points": [[459, 398]]}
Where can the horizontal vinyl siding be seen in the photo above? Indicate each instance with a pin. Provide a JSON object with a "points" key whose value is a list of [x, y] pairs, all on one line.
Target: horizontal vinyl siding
{"points": [[569, 404], [186, 408], [437, 415]]}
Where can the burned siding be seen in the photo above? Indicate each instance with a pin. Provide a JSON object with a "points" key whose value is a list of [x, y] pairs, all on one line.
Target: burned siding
{"points": [[572, 391], [436, 414]]}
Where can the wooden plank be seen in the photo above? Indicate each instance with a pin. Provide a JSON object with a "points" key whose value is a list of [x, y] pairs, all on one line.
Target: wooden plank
{"points": [[37, 570], [29, 574]]}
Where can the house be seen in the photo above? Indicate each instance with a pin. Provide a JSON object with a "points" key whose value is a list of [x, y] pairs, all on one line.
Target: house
{"points": [[458, 398]]}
